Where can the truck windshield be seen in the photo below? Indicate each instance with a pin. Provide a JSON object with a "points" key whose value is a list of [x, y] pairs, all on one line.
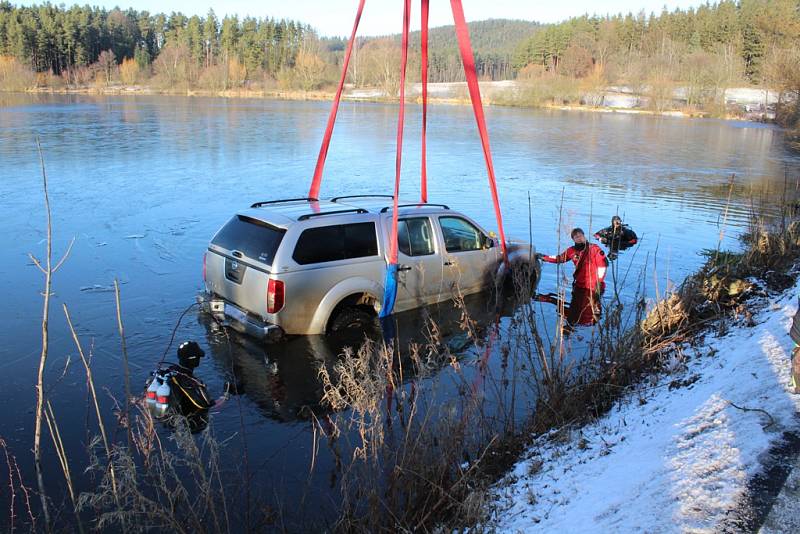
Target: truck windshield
{"points": [[255, 239]]}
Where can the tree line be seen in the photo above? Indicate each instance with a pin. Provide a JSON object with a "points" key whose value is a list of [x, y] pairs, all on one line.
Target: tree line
{"points": [[701, 50], [64, 42], [704, 50]]}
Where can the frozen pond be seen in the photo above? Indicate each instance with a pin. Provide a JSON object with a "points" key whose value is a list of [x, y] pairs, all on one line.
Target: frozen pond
{"points": [[142, 183]]}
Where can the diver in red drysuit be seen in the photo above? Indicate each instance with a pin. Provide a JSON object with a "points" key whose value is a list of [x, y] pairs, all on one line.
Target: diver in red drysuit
{"points": [[583, 309], [590, 262]]}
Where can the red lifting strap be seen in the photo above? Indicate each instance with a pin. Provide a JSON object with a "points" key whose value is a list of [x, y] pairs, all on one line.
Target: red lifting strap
{"points": [[424, 47], [398, 157], [326, 140], [462, 32]]}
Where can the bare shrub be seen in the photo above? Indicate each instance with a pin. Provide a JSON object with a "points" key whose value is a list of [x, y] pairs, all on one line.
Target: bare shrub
{"points": [[576, 62], [129, 71], [174, 67], [214, 77], [237, 73], [381, 59], [782, 72], [406, 471], [15, 76], [107, 65], [80, 76]]}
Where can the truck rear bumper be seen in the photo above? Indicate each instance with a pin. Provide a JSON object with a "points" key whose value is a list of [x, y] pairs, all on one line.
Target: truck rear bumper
{"points": [[230, 315]]}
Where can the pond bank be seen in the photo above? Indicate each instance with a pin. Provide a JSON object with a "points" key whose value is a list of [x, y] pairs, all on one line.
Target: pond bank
{"points": [[494, 93], [678, 451]]}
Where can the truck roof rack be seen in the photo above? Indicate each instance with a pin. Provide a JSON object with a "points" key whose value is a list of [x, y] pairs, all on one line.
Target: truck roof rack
{"points": [[264, 203], [307, 216], [420, 205], [334, 199]]}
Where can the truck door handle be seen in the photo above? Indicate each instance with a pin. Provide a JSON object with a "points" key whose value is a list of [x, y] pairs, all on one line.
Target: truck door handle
{"points": [[236, 253], [448, 262], [404, 268]]}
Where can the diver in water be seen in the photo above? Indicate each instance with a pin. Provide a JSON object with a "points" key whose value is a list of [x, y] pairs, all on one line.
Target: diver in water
{"points": [[590, 262], [617, 237], [173, 389]]}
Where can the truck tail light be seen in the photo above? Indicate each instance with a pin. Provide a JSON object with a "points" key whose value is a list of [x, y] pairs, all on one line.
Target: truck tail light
{"points": [[275, 295]]}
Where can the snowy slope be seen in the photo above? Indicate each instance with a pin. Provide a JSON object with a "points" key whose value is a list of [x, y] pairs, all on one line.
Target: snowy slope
{"points": [[664, 460]]}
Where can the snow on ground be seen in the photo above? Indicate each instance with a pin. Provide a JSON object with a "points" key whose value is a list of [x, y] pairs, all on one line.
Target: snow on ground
{"points": [[664, 459]]}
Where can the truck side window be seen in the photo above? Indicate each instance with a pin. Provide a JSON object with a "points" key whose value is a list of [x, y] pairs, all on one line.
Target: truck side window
{"points": [[415, 237], [338, 242], [460, 235]]}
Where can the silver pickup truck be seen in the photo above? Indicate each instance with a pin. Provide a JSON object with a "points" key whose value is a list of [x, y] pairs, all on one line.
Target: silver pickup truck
{"points": [[306, 266]]}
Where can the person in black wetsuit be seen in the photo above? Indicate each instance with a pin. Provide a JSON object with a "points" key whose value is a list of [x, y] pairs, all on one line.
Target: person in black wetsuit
{"points": [[618, 236]]}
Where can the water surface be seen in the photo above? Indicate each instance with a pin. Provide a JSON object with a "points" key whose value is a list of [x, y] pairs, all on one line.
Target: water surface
{"points": [[142, 183]]}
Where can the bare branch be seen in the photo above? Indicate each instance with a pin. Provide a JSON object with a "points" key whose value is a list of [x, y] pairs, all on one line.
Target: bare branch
{"points": [[65, 256], [36, 263]]}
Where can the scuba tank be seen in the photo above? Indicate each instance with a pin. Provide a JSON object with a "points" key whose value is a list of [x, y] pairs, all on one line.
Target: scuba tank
{"points": [[162, 398], [175, 389], [150, 394]]}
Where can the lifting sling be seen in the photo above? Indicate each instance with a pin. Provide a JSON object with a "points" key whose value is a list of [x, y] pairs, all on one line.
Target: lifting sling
{"points": [[424, 62], [326, 140], [462, 32], [390, 283], [468, 59]]}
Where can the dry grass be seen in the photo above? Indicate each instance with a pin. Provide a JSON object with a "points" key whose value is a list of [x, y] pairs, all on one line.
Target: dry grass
{"points": [[407, 470], [157, 486]]}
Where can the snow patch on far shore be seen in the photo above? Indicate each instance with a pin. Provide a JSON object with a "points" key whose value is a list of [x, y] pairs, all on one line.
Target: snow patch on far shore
{"points": [[664, 459]]}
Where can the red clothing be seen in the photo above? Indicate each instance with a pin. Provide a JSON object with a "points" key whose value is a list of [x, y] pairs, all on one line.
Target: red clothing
{"points": [[583, 310], [590, 265]]}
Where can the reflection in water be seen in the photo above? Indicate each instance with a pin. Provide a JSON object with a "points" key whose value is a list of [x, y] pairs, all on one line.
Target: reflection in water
{"points": [[583, 309], [282, 379]]}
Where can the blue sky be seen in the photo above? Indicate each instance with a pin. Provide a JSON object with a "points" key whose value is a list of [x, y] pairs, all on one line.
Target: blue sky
{"points": [[335, 17]]}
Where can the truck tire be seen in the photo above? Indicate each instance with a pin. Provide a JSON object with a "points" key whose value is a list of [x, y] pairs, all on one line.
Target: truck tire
{"points": [[525, 270], [352, 318]]}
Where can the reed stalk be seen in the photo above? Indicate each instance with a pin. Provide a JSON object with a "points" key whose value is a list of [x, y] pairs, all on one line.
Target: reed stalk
{"points": [[63, 460], [48, 269], [93, 393], [126, 369]]}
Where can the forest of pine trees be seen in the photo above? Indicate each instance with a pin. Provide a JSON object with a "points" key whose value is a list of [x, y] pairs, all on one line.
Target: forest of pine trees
{"points": [[66, 42], [701, 50], [749, 34]]}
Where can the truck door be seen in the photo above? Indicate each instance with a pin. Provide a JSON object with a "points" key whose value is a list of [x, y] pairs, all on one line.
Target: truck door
{"points": [[419, 263], [470, 257]]}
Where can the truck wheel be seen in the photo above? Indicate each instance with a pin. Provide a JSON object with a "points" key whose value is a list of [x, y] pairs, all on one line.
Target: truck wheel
{"points": [[352, 318], [524, 273]]}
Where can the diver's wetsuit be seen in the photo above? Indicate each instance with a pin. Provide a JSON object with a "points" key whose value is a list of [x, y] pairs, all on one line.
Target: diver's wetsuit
{"points": [[590, 265], [617, 238]]}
